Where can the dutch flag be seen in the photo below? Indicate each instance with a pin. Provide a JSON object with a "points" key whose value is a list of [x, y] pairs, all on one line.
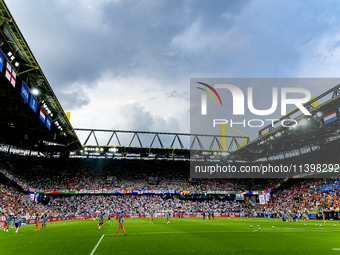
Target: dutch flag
{"points": [[329, 117], [42, 115]]}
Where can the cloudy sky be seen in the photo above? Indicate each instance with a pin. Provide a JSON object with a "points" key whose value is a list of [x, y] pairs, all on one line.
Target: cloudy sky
{"points": [[126, 65]]}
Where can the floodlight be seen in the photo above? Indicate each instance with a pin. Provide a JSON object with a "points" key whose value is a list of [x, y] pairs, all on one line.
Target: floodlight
{"points": [[303, 122], [35, 91]]}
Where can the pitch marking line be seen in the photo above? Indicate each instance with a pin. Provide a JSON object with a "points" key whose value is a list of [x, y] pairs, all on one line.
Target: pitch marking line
{"points": [[95, 248], [225, 231]]}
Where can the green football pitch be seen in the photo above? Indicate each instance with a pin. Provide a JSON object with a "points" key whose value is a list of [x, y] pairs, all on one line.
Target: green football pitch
{"points": [[189, 236]]}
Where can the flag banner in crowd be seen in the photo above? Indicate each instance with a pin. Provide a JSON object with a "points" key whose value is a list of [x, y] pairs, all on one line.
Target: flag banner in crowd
{"points": [[112, 178], [329, 117], [262, 199]]}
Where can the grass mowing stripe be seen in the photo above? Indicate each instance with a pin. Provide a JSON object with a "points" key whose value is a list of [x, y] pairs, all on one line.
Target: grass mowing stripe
{"points": [[195, 236], [227, 231], [95, 248]]}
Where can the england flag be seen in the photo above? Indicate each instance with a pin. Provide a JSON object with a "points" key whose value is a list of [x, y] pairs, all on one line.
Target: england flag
{"points": [[10, 74]]}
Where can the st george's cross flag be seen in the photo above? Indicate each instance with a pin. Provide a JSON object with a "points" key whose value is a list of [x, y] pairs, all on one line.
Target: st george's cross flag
{"points": [[10, 74]]}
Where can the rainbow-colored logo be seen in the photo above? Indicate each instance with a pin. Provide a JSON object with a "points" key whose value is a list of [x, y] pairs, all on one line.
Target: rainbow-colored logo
{"points": [[204, 97], [209, 93]]}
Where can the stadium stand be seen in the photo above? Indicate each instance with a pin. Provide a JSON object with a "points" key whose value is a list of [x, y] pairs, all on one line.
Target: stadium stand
{"points": [[39, 127], [44, 175]]}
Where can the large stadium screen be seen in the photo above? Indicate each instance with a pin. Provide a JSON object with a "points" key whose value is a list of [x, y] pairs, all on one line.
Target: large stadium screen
{"points": [[239, 197]]}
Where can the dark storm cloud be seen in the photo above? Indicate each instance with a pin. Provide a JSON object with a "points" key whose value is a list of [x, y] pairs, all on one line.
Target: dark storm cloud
{"points": [[76, 42]]}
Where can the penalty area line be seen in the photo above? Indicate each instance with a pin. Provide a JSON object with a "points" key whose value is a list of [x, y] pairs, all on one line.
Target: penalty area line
{"points": [[95, 248]]}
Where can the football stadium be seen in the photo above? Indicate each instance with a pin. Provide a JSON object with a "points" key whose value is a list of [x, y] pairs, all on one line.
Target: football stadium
{"points": [[80, 190]]}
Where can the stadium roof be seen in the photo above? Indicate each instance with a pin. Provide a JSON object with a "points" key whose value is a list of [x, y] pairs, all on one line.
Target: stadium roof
{"points": [[20, 125], [299, 132]]}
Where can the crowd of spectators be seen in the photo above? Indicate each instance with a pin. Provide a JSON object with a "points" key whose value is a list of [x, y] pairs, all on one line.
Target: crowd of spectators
{"points": [[43, 174], [93, 174], [12, 201], [298, 198], [301, 196], [141, 204]]}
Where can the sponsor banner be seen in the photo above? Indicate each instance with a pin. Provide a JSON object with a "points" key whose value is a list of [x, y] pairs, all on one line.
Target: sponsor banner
{"points": [[33, 104], [31, 221], [25, 92], [48, 123], [231, 215], [2, 61], [238, 194], [2, 224]]}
